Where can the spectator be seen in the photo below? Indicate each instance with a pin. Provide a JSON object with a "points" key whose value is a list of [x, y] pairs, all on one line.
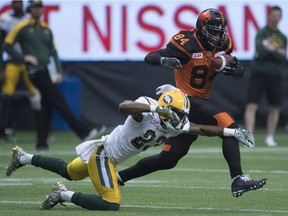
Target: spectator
{"points": [[39, 54], [150, 123], [13, 70], [266, 74]]}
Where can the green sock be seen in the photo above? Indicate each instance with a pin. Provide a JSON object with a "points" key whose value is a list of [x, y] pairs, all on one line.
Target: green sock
{"points": [[93, 202], [52, 164]]}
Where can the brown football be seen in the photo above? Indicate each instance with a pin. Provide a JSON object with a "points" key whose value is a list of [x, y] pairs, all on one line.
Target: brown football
{"points": [[221, 61]]}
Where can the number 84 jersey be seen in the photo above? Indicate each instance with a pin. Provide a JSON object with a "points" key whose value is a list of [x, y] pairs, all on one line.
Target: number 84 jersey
{"points": [[197, 75], [138, 134]]}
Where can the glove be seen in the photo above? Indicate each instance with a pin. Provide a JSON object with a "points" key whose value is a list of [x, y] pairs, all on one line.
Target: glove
{"points": [[171, 62], [237, 69], [166, 87], [244, 136], [35, 100], [172, 124], [164, 112]]}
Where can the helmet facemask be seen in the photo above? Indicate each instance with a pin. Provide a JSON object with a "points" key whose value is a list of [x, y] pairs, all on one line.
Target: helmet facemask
{"points": [[214, 36], [179, 105]]}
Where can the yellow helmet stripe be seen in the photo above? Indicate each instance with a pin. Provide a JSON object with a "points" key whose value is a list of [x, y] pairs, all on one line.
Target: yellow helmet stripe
{"points": [[186, 101], [150, 100]]}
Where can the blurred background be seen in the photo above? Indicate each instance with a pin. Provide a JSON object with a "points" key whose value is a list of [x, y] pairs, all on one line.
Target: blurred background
{"points": [[102, 45]]}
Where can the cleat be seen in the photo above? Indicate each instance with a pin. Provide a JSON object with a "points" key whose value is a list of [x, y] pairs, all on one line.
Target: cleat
{"points": [[14, 164], [53, 198], [243, 183]]}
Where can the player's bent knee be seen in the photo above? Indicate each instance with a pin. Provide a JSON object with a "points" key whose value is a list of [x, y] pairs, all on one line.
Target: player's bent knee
{"points": [[168, 160]]}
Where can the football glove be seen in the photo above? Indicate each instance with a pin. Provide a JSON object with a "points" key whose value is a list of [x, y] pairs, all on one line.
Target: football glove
{"points": [[164, 112], [237, 70], [244, 136], [171, 62], [166, 87]]}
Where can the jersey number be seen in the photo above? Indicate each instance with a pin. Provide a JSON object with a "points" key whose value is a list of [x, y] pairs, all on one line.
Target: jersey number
{"points": [[149, 135], [199, 76], [182, 38]]}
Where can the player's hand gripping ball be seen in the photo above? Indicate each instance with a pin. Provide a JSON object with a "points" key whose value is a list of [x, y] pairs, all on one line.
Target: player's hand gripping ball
{"points": [[222, 62]]}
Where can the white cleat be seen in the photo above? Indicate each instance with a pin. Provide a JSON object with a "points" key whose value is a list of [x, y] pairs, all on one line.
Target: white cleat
{"points": [[53, 198]]}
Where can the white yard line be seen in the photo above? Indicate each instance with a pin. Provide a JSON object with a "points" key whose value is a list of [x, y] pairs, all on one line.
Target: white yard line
{"points": [[133, 183], [9, 202]]}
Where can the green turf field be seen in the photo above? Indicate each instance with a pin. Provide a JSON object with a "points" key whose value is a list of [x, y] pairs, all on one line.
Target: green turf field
{"points": [[199, 185]]}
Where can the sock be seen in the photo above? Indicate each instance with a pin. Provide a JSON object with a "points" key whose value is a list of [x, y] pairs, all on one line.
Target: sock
{"points": [[66, 195], [52, 164], [93, 202], [231, 152], [25, 159]]}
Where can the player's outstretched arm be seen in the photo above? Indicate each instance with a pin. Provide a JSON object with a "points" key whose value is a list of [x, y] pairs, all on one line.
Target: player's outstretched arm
{"points": [[242, 135], [162, 57]]}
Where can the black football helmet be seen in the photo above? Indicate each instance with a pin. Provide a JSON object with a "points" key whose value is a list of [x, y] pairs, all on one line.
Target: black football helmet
{"points": [[211, 26]]}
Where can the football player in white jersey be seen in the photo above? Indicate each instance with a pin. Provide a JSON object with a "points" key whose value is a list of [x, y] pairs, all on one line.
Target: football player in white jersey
{"points": [[13, 70], [150, 123]]}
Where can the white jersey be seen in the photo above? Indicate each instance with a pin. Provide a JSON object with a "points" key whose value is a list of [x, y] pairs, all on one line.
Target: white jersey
{"points": [[8, 22], [135, 136]]}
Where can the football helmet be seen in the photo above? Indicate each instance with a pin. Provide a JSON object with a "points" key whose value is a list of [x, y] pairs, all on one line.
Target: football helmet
{"points": [[211, 27], [179, 103]]}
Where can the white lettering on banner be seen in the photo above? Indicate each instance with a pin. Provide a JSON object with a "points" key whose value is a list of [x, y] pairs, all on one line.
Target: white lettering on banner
{"points": [[128, 30]]}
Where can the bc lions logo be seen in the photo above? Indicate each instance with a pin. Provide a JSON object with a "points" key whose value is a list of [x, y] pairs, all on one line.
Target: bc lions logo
{"points": [[168, 99]]}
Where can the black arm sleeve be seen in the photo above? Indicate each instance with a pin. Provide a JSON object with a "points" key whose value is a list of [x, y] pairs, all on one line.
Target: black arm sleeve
{"points": [[153, 58]]}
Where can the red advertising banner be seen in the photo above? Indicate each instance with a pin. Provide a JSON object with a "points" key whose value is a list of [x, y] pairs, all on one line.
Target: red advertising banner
{"points": [[127, 30]]}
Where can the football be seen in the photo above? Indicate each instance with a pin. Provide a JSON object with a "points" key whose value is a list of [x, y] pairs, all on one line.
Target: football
{"points": [[221, 61]]}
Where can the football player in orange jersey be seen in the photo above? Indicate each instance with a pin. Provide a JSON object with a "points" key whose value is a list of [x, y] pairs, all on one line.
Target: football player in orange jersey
{"points": [[190, 53]]}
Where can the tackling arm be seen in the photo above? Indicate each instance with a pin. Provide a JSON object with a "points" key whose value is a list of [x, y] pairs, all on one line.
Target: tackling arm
{"points": [[135, 108], [240, 134], [205, 130]]}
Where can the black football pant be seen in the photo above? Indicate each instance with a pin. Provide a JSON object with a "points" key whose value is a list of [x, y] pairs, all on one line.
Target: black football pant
{"points": [[51, 99]]}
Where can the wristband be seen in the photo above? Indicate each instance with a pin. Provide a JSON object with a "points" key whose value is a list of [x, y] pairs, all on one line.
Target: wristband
{"points": [[162, 60], [153, 108], [228, 132]]}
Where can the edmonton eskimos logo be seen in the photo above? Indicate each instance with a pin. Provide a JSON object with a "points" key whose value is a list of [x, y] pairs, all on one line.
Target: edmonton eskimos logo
{"points": [[168, 99]]}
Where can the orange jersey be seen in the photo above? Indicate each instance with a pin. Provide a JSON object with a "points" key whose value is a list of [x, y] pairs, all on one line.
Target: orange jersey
{"points": [[197, 75]]}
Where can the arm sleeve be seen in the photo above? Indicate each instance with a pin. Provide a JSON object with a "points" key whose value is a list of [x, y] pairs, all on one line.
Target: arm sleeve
{"points": [[57, 62], [2, 37], [10, 39], [153, 58], [54, 54]]}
